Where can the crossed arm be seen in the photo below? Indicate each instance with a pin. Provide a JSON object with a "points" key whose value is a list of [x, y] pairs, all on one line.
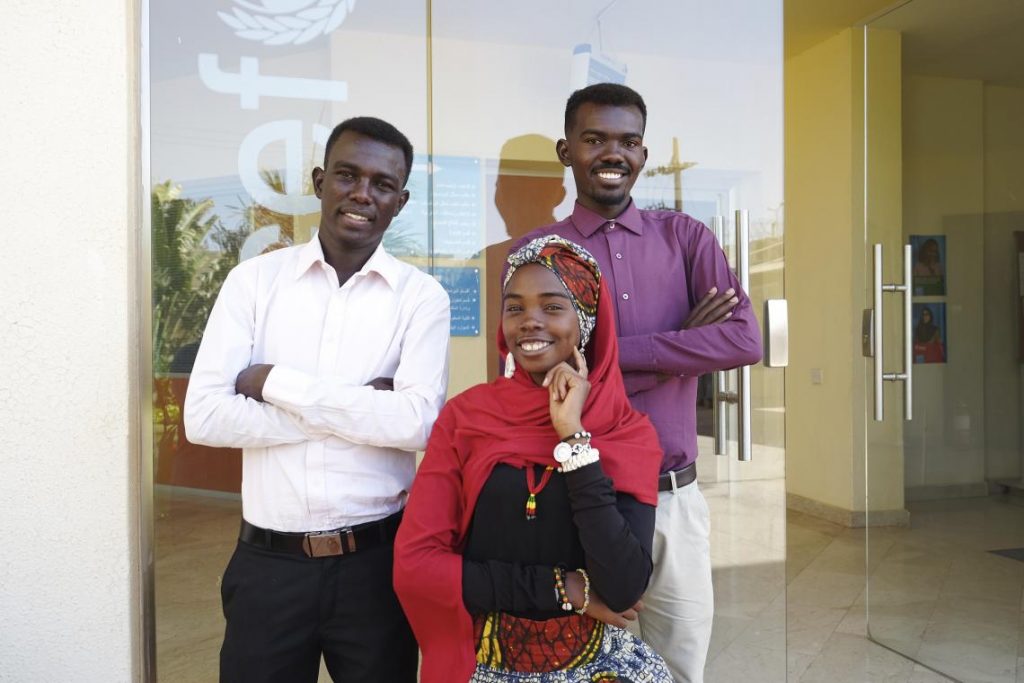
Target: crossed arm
{"points": [[719, 333], [233, 403], [250, 381], [215, 415], [615, 532]]}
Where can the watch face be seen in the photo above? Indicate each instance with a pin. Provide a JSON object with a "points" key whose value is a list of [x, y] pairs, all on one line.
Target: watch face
{"points": [[563, 452]]}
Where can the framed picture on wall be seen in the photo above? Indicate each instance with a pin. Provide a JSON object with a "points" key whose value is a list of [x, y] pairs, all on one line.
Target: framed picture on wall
{"points": [[930, 333], [929, 264]]}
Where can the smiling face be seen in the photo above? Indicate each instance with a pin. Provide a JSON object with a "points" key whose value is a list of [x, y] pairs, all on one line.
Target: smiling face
{"points": [[539, 323], [360, 191], [605, 148]]}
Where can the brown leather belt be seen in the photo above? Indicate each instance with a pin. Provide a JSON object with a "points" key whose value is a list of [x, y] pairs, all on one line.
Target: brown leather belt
{"points": [[685, 476], [329, 543]]}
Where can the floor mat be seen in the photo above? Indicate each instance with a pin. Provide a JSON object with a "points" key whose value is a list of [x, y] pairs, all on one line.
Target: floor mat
{"points": [[1012, 553]]}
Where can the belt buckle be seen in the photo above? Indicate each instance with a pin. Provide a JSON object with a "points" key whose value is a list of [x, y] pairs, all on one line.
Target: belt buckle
{"points": [[329, 543]]}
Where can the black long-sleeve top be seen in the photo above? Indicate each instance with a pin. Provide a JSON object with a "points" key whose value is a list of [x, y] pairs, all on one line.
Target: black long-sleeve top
{"points": [[581, 521]]}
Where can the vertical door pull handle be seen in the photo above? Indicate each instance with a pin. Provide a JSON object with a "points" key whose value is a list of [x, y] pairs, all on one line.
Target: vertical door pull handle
{"points": [[876, 333], [743, 385], [718, 387], [741, 397], [908, 332], [906, 289]]}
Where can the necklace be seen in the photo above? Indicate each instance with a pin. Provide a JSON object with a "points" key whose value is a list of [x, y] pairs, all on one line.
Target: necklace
{"points": [[534, 489]]}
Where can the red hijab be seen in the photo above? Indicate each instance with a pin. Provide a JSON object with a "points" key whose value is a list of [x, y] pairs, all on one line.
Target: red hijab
{"points": [[505, 421]]}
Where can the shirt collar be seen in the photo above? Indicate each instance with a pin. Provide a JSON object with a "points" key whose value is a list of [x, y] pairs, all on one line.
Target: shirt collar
{"points": [[588, 222], [380, 262]]}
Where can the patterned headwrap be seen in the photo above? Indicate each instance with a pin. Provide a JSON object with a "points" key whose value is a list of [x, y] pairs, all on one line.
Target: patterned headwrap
{"points": [[574, 267]]}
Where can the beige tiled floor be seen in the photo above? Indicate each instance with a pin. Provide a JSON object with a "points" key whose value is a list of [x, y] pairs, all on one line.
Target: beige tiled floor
{"points": [[792, 599], [935, 594], [826, 613]]}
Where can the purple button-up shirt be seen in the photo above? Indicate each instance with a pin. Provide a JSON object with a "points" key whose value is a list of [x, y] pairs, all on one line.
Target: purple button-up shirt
{"points": [[658, 265]]}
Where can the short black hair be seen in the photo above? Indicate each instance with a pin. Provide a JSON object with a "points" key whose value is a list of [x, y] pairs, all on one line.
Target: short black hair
{"points": [[375, 129], [610, 94]]}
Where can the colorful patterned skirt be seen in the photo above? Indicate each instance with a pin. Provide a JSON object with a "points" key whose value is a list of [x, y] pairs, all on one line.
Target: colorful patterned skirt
{"points": [[570, 649]]}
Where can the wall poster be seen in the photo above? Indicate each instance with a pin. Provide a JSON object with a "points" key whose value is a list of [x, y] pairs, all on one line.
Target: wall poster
{"points": [[929, 264], [930, 333]]}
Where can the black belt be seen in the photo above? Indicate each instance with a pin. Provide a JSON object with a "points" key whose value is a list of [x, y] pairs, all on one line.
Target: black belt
{"points": [[342, 541], [685, 476]]}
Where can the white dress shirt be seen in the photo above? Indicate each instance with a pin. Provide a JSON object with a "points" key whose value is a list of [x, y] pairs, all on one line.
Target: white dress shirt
{"points": [[323, 450]]}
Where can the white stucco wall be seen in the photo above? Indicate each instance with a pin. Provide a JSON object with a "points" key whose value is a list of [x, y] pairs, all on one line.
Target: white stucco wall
{"points": [[67, 448]]}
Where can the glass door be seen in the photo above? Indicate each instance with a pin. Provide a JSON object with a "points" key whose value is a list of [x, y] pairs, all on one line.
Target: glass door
{"points": [[942, 244]]}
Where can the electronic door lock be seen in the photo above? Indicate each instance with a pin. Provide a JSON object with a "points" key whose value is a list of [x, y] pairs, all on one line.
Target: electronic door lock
{"points": [[867, 333]]}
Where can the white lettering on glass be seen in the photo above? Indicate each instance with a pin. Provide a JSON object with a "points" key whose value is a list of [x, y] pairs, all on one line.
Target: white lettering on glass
{"points": [[251, 85], [277, 22], [289, 132]]}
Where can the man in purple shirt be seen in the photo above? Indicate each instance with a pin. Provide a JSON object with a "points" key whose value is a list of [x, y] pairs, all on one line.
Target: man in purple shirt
{"points": [[681, 314]]}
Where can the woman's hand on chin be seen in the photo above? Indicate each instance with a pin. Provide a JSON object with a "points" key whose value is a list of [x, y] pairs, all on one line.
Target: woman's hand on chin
{"points": [[567, 391]]}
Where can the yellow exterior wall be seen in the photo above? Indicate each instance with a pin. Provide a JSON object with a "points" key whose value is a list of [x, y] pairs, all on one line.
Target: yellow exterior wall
{"points": [[942, 158], [882, 446], [963, 178], [1004, 214], [828, 268], [1004, 149], [943, 189], [819, 211]]}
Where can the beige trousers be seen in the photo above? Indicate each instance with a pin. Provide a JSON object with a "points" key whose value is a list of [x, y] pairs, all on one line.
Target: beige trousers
{"points": [[679, 604]]}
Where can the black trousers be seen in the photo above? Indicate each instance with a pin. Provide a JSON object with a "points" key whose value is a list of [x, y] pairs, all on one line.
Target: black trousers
{"points": [[284, 610]]}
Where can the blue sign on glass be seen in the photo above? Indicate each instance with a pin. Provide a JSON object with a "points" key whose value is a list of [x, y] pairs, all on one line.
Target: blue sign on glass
{"points": [[463, 287], [458, 210]]}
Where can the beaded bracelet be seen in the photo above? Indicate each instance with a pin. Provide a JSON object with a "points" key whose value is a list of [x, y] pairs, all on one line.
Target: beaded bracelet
{"points": [[578, 435], [563, 596], [586, 591]]}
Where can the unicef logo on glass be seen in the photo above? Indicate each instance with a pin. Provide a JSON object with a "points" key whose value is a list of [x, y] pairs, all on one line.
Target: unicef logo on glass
{"points": [[286, 22]]}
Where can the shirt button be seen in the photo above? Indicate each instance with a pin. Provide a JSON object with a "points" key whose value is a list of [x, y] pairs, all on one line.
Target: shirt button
{"points": [[625, 295], [618, 256], [611, 226]]}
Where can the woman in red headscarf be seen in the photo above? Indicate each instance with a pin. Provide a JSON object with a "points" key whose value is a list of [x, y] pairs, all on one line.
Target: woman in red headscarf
{"points": [[526, 543]]}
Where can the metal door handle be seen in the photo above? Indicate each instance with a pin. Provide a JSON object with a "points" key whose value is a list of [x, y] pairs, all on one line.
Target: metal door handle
{"points": [[908, 333], [741, 397], [876, 333], [880, 376], [718, 390], [743, 385]]}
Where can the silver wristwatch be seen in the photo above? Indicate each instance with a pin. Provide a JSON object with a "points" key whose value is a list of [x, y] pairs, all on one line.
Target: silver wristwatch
{"points": [[573, 456]]}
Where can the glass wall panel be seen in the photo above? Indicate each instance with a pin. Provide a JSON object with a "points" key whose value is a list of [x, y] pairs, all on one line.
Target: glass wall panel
{"points": [[242, 96]]}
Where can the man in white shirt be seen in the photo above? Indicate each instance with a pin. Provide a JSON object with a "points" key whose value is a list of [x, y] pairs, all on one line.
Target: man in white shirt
{"points": [[328, 364]]}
